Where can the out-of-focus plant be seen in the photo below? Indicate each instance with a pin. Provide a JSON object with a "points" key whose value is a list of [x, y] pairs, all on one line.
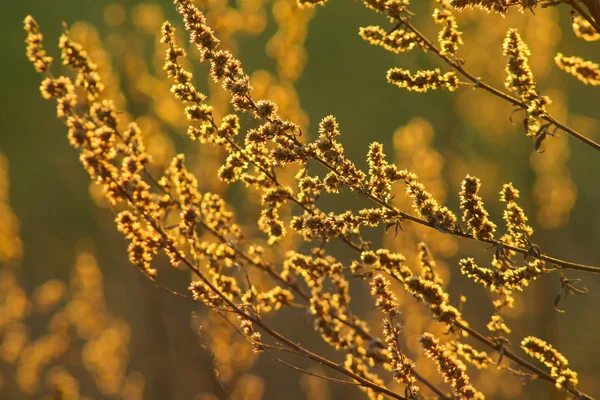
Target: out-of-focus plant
{"points": [[80, 334], [258, 144]]}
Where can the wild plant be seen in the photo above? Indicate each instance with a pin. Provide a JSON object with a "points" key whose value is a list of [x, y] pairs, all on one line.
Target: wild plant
{"points": [[247, 275]]}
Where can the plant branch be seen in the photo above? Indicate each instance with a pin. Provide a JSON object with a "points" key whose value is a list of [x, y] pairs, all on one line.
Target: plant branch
{"points": [[505, 352], [479, 84], [237, 310]]}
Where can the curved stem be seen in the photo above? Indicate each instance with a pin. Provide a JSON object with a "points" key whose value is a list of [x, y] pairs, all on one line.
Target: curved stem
{"points": [[400, 214], [508, 354], [297, 347], [594, 7], [475, 334], [479, 84], [407, 216]]}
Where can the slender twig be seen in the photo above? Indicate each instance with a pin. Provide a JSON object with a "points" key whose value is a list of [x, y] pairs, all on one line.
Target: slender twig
{"points": [[407, 216], [276, 335], [294, 286], [562, 263], [594, 8], [497, 346], [508, 354], [478, 83], [426, 382], [303, 371], [473, 79]]}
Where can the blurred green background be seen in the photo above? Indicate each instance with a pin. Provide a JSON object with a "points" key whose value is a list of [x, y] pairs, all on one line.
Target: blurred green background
{"points": [[343, 76]]}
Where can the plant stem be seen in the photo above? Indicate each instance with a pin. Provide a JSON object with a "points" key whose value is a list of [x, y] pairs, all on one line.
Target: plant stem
{"points": [[479, 84]]}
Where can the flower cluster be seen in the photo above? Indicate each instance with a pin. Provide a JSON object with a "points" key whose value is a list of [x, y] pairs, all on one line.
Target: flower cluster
{"points": [[586, 71], [255, 337], [583, 29], [113, 159], [512, 279], [398, 41], [226, 69], [497, 6], [311, 3], [385, 298], [479, 359], [497, 325], [454, 371], [449, 36], [384, 260], [435, 297], [514, 216], [76, 57], [424, 203], [520, 79], [116, 159], [402, 366], [35, 50], [558, 364], [423, 80], [396, 9], [330, 152], [381, 173], [330, 308], [474, 213], [144, 242]]}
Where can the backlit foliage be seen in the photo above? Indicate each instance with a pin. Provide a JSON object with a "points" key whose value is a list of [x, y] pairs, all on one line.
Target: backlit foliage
{"points": [[275, 257]]}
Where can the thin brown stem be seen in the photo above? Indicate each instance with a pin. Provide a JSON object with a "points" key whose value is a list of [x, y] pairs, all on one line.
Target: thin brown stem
{"points": [[593, 6], [424, 222], [237, 310], [407, 216], [270, 270], [523, 251], [480, 84], [509, 354], [303, 371], [481, 337]]}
